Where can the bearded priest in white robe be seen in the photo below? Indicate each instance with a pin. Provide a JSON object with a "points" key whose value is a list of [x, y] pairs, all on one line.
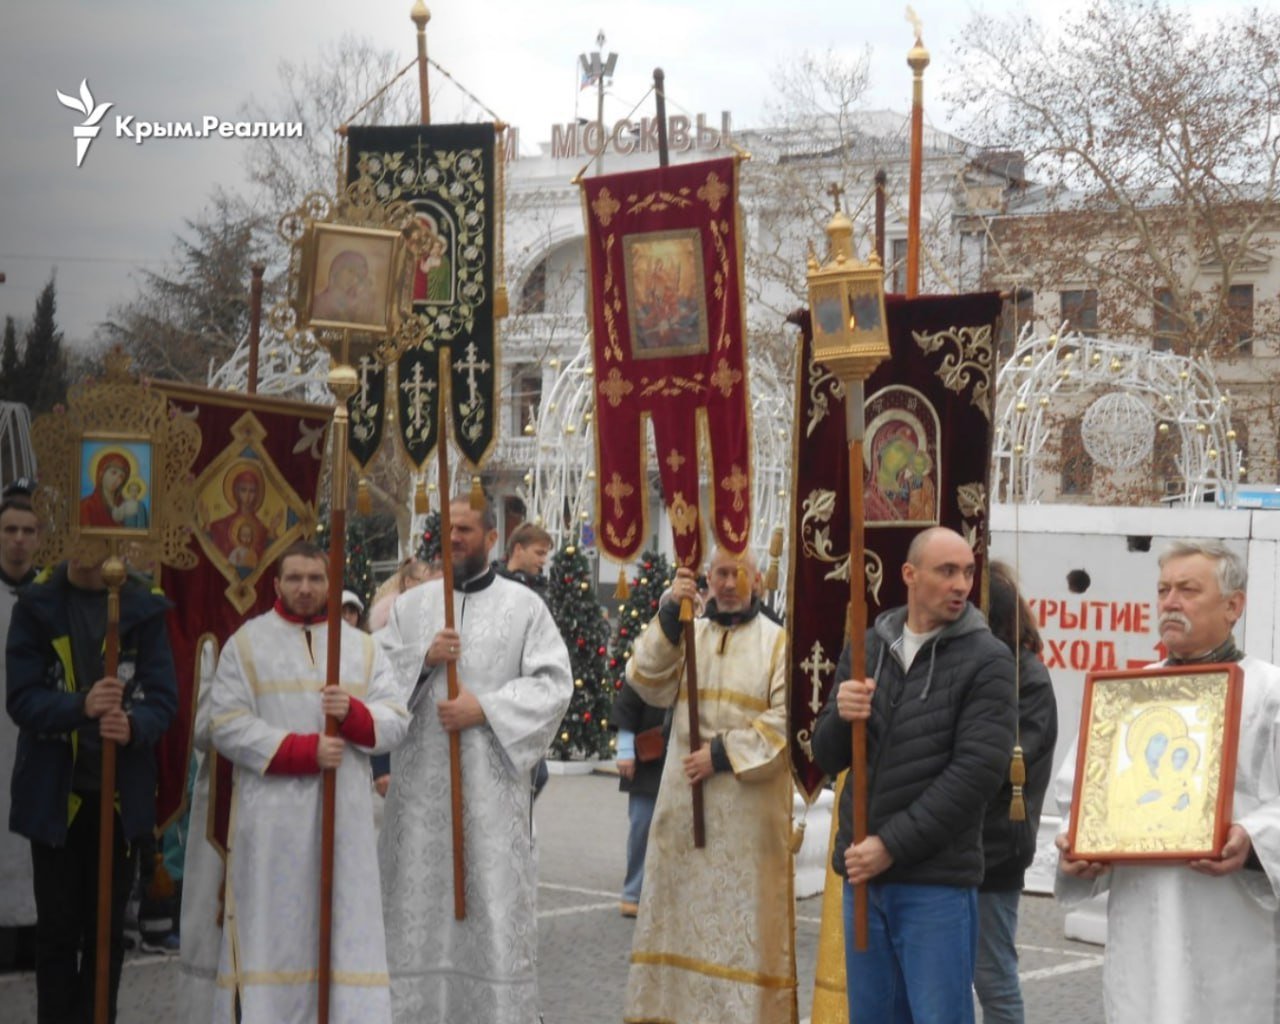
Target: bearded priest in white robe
{"points": [[1196, 942], [268, 704], [514, 686], [715, 936]]}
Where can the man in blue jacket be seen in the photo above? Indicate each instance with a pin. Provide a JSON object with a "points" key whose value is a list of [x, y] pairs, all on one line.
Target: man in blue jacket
{"points": [[65, 707], [937, 694]]}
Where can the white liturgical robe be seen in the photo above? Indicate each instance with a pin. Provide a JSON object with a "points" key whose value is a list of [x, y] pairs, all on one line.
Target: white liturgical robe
{"points": [[268, 685], [514, 661], [1187, 948]]}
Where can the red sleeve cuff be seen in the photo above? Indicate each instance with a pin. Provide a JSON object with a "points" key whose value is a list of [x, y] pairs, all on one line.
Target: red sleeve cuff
{"points": [[357, 727], [297, 755]]}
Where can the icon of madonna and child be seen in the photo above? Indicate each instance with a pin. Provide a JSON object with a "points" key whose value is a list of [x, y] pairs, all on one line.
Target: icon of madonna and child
{"points": [[115, 485], [240, 516], [901, 484]]}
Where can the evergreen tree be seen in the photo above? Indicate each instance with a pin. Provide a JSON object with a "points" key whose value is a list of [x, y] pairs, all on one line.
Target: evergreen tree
{"points": [[357, 573], [580, 616], [10, 365], [654, 576], [429, 542], [43, 370]]}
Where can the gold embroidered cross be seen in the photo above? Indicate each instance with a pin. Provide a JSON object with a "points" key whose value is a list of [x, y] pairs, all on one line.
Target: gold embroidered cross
{"points": [[713, 192], [736, 482], [813, 667], [615, 387], [725, 377], [616, 489], [675, 460]]}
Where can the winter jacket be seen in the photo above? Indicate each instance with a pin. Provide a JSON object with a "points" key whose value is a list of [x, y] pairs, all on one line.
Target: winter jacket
{"points": [[633, 714], [938, 745], [1009, 847], [46, 701]]}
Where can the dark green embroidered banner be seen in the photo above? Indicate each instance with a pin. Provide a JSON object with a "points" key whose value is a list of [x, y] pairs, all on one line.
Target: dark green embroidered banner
{"points": [[446, 172]]}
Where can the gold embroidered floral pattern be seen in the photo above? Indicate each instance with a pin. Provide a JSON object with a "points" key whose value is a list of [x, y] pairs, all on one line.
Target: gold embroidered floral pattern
{"points": [[658, 201], [684, 517], [970, 363]]}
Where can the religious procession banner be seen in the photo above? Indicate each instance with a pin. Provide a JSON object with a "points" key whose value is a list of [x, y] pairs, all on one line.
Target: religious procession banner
{"points": [[926, 458], [668, 340], [449, 175], [257, 475]]}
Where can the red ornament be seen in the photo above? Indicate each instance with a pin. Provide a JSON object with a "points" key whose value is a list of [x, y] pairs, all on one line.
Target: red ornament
{"points": [[648, 565], [582, 642], [586, 716], [600, 649], [653, 604], [617, 685], [623, 631]]}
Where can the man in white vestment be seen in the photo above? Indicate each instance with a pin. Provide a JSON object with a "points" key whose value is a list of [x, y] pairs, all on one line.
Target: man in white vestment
{"points": [[1193, 943], [514, 686], [715, 935], [268, 704], [19, 535]]}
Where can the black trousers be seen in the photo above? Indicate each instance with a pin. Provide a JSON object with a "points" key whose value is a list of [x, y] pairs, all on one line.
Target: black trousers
{"points": [[66, 887]]}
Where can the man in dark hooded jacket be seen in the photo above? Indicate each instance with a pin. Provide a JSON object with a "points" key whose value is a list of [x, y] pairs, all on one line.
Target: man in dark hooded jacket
{"points": [[938, 699]]}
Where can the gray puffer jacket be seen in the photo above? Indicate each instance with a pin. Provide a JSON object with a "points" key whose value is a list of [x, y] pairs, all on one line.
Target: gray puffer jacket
{"points": [[938, 747]]}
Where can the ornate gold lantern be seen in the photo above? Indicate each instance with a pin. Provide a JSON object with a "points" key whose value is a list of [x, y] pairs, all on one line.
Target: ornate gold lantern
{"points": [[846, 297]]}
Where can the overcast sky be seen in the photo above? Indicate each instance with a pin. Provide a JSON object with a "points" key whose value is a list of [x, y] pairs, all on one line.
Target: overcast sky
{"points": [[177, 60]]}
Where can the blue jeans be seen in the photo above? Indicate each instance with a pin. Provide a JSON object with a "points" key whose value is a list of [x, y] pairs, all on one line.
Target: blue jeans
{"points": [[996, 976], [640, 812], [918, 964]]}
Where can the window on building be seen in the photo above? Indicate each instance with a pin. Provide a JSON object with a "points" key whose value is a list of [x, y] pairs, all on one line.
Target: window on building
{"points": [[1076, 463], [533, 296], [1014, 316], [526, 396], [1079, 310], [1239, 329], [1168, 329], [898, 265]]}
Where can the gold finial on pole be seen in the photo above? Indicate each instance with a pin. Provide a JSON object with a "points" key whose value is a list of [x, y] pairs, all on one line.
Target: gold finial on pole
{"points": [[420, 16]]}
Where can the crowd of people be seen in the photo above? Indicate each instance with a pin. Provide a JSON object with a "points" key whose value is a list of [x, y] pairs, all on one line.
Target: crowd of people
{"points": [[951, 696]]}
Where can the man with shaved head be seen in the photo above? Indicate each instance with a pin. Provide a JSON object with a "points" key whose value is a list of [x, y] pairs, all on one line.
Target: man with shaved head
{"points": [[714, 935], [937, 694]]}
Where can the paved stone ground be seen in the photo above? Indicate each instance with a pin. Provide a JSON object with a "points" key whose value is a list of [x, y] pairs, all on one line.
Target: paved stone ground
{"points": [[584, 943]]}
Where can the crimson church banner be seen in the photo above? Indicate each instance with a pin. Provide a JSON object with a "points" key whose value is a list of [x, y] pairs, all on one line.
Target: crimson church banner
{"points": [[447, 173], [256, 478], [665, 268], [926, 457]]}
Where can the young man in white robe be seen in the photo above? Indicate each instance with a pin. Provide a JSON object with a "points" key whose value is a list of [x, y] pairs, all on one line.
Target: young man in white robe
{"points": [[514, 688], [1196, 942], [715, 935], [267, 706]]}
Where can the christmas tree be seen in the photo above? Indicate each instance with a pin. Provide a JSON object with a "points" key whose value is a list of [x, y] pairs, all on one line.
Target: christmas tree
{"points": [[654, 576], [429, 542], [581, 618], [357, 574]]}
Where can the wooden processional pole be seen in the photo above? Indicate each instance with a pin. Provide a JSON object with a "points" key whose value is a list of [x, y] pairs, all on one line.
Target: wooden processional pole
{"points": [[918, 59], [420, 17], [343, 383], [686, 607], [451, 667], [113, 575]]}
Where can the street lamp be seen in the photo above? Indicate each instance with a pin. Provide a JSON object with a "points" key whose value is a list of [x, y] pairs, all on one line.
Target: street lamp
{"points": [[597, 70]]}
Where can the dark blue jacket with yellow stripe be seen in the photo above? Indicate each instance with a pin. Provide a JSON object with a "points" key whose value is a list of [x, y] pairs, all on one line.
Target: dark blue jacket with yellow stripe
{"points": [[45, 700]]}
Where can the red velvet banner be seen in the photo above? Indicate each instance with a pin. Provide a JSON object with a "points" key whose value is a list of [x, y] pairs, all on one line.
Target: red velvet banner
{"points": [[665, 266], [257, 474], [926, 456]]}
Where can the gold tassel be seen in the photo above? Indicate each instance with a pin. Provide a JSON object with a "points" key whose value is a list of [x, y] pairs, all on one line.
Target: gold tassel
{"points": [[771, 576], [501, 305], [364, 500], [477, 495], [797, 838], [421, 504], [1017, 776], [622, 592], [744, 584]]}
